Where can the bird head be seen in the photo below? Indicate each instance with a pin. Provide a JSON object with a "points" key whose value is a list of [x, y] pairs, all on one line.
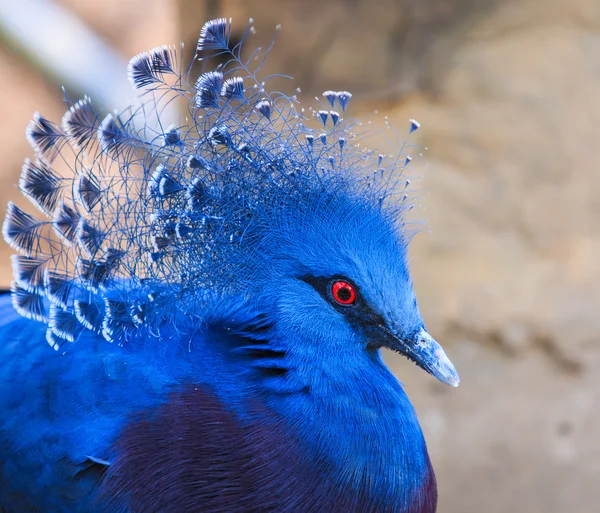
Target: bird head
{"points": [[333, 271]]}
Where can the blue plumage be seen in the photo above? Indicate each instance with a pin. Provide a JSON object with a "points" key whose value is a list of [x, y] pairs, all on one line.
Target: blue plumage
{"points": [[217, 291]]}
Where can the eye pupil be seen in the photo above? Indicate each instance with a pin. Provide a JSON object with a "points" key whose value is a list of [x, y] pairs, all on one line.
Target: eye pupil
{"points": [[343, 293]]}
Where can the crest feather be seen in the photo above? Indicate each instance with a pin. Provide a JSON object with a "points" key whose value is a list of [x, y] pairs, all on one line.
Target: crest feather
{"points": [[156, 216]]}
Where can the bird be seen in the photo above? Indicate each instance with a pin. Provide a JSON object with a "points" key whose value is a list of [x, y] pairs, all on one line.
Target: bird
{"points": [[198, 309]]}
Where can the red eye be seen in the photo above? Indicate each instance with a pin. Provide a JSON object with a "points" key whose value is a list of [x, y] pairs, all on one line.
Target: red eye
{"points": [[343, 293]]}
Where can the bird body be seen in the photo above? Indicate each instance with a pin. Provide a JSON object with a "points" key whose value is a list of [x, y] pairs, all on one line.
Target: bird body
{"points": [[216, 299], [67, 434]]}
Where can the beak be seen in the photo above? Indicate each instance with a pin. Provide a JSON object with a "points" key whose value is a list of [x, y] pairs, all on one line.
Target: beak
{"points": [[428, 355]]}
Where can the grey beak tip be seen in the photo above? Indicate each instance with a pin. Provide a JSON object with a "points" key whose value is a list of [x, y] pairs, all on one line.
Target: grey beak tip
{"points": [[449, 375], [455, 382], [440, 365]]}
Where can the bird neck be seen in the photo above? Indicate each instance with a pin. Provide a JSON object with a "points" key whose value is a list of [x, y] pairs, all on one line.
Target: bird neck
{"points": [[341, 406], [360, 424]]}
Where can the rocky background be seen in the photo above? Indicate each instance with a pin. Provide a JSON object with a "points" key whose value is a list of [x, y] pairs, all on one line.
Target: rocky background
{"points": [[507, 267]]}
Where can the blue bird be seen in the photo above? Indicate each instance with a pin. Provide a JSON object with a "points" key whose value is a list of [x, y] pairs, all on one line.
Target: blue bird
{"points": [[199, 308]]}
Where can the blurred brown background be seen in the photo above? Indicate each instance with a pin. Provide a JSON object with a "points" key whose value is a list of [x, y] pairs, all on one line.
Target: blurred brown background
{"points": [[508, 273]]}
